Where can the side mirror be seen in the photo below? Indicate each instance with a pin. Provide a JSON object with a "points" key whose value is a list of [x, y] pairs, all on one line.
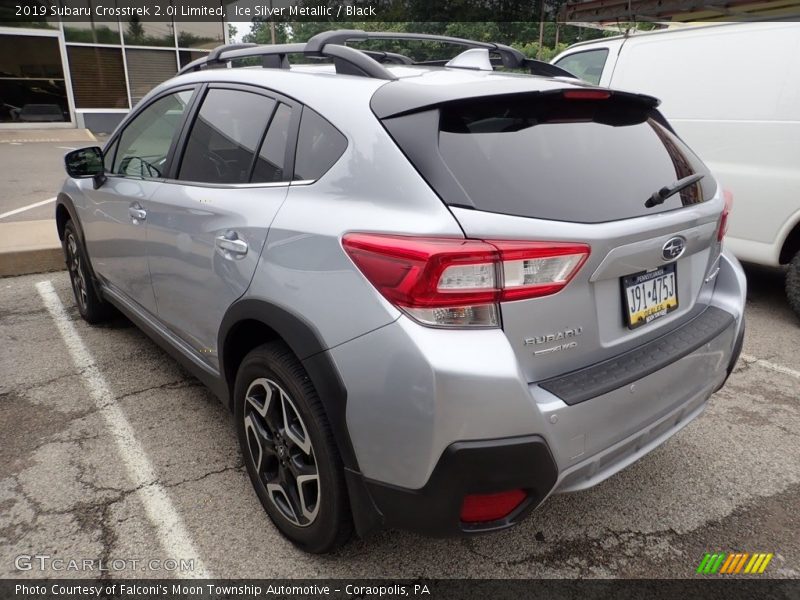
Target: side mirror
{"points": [[85, 163]]}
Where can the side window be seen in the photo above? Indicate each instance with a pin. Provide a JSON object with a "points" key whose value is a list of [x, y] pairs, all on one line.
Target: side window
{"points": [[587, 65], [225, 135], [272, 156], [145, 142], [319, 146]]}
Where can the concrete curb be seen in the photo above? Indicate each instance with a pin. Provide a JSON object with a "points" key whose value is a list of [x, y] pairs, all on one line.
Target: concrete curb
{"points": [[28, 247], [24, 136]]}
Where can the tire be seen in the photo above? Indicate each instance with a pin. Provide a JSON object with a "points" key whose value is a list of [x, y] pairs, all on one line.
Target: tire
{"points": [[92, 308], [296, 471], [793, 284]]}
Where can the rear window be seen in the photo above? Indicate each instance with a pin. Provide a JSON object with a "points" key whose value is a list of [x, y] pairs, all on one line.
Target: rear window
{"points": [[569, 160]]}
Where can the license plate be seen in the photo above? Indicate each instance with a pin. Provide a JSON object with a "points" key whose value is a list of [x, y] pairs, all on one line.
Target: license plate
{"points": [[650, 295]]}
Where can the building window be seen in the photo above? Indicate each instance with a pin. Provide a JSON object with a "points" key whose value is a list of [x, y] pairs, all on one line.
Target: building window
{"points": [[153, 33], [96, 31], [98, 77], [187, 56], [203, 35], [32, 88], [147, 69]]}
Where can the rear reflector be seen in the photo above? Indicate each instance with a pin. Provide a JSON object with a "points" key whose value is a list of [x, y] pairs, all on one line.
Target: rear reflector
{"points": [[723, 220], [450, 282], [586, 95], [483, 508]]}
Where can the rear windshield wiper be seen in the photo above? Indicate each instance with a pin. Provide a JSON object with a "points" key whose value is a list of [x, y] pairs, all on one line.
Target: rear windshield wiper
{"points": [[670, 190]]}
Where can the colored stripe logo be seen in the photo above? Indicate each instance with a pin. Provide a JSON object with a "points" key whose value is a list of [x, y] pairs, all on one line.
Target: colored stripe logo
{"points": [[734, 563]]}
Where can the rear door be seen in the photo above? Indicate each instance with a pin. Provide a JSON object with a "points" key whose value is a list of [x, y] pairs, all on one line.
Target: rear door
{"points": [[209, 222], [577, 166]]}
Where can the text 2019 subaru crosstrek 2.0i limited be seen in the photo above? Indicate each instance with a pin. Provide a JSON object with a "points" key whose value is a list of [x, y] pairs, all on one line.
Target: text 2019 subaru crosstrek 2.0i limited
{"points": [[431, 294]]}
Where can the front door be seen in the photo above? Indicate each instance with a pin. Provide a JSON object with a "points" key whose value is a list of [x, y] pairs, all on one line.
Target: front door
{"points": [[115, 215], [207, 226]]}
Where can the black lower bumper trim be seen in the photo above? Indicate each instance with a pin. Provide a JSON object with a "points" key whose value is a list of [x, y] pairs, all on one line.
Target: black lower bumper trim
{"points": [[640, 362], [478, 467]]}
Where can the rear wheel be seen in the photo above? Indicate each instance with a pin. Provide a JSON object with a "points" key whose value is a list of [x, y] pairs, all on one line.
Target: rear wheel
{"points": [[289, 450], [793, 284], [92, 308]]}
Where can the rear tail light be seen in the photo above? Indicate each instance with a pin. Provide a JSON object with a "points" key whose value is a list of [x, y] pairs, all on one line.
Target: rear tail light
{"points": [[448, 282], [586, 95], [484, 508], [723, 220]]}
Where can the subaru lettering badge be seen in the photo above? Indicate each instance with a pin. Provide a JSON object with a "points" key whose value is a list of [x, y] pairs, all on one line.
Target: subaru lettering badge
{"points": [[673, 248]]}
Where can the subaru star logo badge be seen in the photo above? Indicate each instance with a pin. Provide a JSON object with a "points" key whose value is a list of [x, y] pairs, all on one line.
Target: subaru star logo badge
{"points": [[673, 248]]}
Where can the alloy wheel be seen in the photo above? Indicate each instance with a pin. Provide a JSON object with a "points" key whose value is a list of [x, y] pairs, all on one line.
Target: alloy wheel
{"points": [[282, 452], [76, 275]]}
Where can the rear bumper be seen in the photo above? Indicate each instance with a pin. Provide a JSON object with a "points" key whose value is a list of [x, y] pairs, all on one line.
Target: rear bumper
{"points": [[415, 395], [470, 468]]}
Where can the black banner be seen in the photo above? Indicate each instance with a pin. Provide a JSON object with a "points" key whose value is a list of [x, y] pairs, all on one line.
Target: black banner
{"points": [[32, 11], [456, 589]]}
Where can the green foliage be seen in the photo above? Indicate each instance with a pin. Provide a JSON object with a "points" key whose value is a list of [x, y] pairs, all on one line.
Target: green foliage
{"points": [[521, 35]]}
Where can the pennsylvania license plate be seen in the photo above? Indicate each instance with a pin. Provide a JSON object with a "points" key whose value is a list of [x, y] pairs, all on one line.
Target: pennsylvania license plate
{"points": [[650, 295]]}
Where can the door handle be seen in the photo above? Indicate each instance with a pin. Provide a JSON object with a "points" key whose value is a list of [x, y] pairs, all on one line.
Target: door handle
{"points": [[231, 245], [137, 213]]}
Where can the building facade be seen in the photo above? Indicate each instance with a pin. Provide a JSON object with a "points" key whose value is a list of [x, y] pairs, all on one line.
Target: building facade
{"points": [[68, 73]]}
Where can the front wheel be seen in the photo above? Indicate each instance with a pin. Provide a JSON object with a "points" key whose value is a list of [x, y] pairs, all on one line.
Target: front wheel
{"points": [[289, 450], [793, 284], [92, 308]]}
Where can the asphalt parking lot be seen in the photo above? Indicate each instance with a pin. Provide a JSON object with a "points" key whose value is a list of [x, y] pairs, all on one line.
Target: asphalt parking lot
{"points": [[74, 434], [34, 171]]}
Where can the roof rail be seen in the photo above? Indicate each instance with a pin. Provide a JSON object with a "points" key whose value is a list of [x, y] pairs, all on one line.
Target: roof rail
{"points": [[367, 63], [511, 56], [347, 60]]}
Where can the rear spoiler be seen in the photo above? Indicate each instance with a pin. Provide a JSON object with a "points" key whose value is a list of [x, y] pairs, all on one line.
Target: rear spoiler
{"points": [[405, 96]]}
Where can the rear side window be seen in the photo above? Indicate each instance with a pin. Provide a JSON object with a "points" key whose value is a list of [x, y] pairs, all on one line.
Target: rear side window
{"points": [[225, 137], [552, 158], [319, 146], [588, 65]]}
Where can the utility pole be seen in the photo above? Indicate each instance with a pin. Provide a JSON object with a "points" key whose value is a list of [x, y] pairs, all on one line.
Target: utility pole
{"points": [[271, 23], [541, 30]]}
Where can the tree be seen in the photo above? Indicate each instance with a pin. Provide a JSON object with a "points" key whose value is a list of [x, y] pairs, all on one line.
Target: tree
{"points": [[135, 30]]}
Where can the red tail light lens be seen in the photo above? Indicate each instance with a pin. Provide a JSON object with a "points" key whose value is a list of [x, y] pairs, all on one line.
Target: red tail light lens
{"points": [[723, 220], [484, 508], [456, 282], [586, 95]]}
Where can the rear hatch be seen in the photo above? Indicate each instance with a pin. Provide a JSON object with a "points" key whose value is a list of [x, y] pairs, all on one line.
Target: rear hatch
{"points": [[577, 165]]}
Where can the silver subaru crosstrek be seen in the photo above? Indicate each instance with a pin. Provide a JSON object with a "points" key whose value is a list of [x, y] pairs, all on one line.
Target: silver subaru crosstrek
{"points": [[432, 294]]}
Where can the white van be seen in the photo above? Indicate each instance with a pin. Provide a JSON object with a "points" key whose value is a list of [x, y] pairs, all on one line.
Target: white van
{"points": [[732, 91]]}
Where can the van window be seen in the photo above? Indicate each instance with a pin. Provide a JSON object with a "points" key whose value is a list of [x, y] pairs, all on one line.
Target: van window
{"points": [[588, 65], [225, 136]]}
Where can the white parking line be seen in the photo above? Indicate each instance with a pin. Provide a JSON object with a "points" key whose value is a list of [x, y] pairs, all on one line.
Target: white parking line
{"points": [[16, 211], [66, 147], [174, 538], [770, 365]]}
